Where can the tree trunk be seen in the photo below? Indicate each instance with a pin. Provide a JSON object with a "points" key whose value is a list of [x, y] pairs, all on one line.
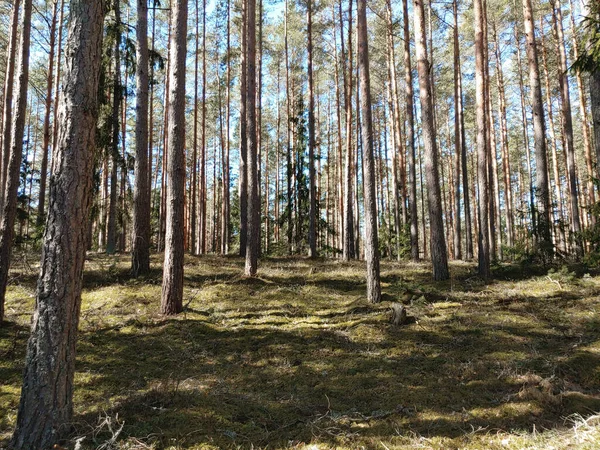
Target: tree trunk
{"points": [[410, 135], [370, 203], [539, 131], [349, 250], [312, 229], [203, 144], [567, 119], [9, 205], [508, 197], [8, 99], [46, 408], [457, 136], [46, 132], [140, 239], [439, 256], [243, 170], [111, 237], [253, 241], [172, 285], [225, 209]]}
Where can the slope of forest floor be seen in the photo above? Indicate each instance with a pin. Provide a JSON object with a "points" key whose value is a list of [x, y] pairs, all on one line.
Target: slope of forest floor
{"points": [[297, 359]]}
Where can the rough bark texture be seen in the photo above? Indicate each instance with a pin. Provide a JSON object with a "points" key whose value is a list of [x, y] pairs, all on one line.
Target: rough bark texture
{"points": [[539, 132], [12, 178], [140, 239], [172, 285], [46, 408], [437, 246], [410, 137], [370, 202], [483, 240], [253, 241]]}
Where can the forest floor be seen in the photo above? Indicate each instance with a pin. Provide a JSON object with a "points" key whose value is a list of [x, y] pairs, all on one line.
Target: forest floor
{"points": [[298, 359]]}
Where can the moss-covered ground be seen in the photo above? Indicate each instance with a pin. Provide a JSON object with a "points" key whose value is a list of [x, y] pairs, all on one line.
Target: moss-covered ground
{"points": [[298, 359]]}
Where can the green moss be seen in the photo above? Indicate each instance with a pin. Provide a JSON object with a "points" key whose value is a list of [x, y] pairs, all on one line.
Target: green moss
{"points": [[297, 359]]}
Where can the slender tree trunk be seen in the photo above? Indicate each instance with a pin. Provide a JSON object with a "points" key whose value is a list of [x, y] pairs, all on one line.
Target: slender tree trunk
{"points": [[410, 135], [253, 241], [524, 120], [438, 251], [9, 85], [46, 132], [111, 237], [539, 127], [587, 144], [457, 136], [508, 197], [46, 408], [225, 211], [371, 239], [567, 119], [9, 205], [203, 142], [349, 250], [194, 180], [172, 286], [243, 180], [482, 160], [140, 239], [312, 216]]}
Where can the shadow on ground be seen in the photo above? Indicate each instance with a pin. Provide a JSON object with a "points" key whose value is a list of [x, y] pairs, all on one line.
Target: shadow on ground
{"points": [[299, 357]]}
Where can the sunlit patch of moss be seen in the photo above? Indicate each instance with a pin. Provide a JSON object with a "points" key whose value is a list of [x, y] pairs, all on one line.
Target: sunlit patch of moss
{"points": [[297, 358]]}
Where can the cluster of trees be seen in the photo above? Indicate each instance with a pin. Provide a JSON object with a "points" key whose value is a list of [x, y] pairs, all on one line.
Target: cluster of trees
{"points": [[294, 127]]}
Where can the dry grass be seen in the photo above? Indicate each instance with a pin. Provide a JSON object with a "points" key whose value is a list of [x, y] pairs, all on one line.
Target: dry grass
{"points": [[297, 359]]}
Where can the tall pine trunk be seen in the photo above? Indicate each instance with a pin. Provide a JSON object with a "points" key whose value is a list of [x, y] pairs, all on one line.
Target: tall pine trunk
{"points": [[172, 285], [542, 230], [253, 239], [410, 136], [312, 216], [140, 239], [437, 244], [482, 160], [370, 203], [46, 406]]}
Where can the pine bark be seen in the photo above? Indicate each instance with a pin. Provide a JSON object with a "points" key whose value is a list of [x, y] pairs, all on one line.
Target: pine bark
{"points": [[437, 244], [483, 237], [370, 202], [253, 240], [172, 285], [46, 407], [349, 250], [410, 137], [140, 239], [539, 130]]}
